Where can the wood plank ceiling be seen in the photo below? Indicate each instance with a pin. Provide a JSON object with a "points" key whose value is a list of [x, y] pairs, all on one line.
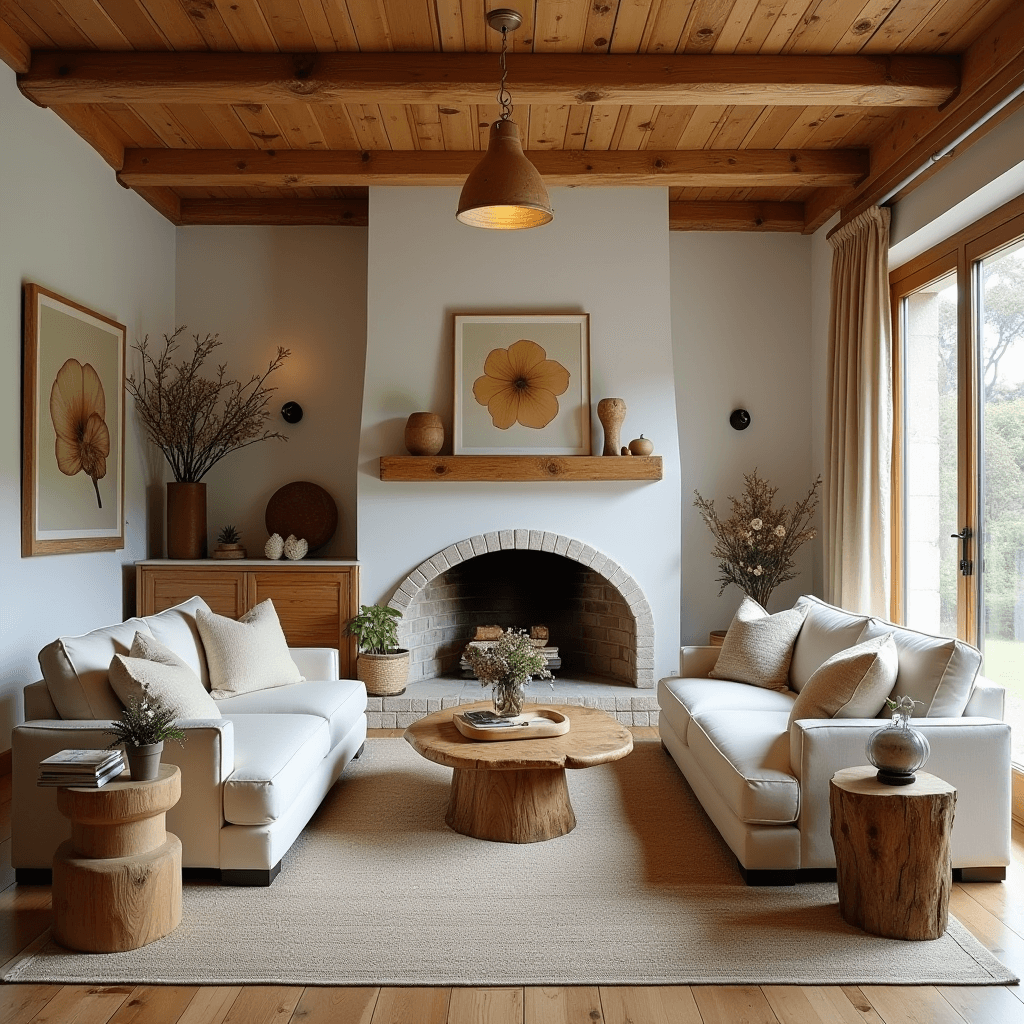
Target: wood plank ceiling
{"points": [[756, 114]]}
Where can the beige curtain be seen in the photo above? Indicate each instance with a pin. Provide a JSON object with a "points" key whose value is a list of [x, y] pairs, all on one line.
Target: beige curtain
{"points": [[858, 432]]}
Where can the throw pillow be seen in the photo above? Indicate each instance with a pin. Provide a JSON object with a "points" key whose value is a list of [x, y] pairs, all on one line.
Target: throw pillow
{"points": [[758, 647], [851, 684], [153, 671], [246, 654]]}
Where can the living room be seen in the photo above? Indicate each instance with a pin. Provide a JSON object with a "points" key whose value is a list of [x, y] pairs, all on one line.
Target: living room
{"points": [[686, 326]]}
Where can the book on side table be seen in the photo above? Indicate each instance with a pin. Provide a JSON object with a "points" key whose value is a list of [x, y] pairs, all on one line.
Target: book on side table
{"points": [[533, 723], [89, 768]]}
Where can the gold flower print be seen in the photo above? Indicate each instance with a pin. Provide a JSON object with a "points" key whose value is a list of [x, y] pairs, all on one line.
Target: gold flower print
{"points": [[520, 384], [78, 408]]}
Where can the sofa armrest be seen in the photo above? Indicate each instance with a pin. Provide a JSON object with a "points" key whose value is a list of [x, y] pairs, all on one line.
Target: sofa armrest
{"points": [[206, 760], [316, 662], [38, 702], [972, 754], [696, 662], [988, 700]]}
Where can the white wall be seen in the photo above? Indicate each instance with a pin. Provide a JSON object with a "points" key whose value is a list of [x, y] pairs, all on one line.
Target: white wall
{"points": [[741, 331], [605, 253], [303, 288], [66, 224]]}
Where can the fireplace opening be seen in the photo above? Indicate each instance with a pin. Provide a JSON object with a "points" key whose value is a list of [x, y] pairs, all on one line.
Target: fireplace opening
{"points": [[588, 619]]}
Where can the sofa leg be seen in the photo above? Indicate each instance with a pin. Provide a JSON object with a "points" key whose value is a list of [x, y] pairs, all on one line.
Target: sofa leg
{"points": [[257, 877], [756, 877], [33, 876], [979, 874], [359, 753]]}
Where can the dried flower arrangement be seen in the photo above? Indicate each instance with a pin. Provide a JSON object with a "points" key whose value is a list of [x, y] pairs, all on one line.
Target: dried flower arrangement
{"points": [[756, 544], [507, 666], [144, 722], [195, 420]]}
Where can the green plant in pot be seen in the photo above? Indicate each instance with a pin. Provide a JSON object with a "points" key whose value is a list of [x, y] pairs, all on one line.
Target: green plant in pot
{"points": [[142, 727], [382, 665]]}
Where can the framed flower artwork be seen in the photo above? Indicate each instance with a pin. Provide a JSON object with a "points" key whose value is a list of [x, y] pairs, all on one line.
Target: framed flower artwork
{"points": [[522, 384], [72, 495]]}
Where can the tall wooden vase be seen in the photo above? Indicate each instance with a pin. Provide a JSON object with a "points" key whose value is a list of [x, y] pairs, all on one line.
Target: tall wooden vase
{"points": [[186, 520]]}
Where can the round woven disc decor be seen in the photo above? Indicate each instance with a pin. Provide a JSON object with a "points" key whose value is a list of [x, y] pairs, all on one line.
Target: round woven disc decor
{"points": [[305, 510]]}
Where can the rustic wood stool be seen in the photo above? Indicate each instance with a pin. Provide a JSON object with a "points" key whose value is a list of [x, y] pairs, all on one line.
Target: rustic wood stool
{"points": [[893, 854], [117, 880]]}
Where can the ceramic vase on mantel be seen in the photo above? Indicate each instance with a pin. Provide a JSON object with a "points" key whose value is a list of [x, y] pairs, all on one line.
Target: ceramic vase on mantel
{"points": [[424, 433], [144, 760], [611, 412], [186, 520]]}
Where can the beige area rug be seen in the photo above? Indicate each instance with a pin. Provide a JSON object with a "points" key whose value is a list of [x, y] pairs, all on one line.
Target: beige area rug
{"points": [[378, 890]]}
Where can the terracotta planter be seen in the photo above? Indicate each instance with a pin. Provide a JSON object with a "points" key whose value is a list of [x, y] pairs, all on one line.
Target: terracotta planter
{"points": [[186, 520], [424, 433]]}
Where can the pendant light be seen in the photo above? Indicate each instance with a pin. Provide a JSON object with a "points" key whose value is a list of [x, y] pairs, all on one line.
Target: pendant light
{"points": [[504, 191]]}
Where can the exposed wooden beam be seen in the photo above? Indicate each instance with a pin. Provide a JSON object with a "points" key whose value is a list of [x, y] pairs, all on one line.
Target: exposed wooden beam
{"points": [[735, 216], [992, 67], [309, 168], [14, 51], [349, 212], [95, 128], [429, 78], [164, 200]]}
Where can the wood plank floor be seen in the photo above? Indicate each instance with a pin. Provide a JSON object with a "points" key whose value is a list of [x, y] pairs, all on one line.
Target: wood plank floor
{"points": [[993, 912]]}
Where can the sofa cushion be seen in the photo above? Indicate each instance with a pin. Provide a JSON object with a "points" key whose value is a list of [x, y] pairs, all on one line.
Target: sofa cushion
{"points": [[682, 698], [274, 757], [152, 671], [745, 754], [758, 647], [851, 684], [827, 630], [340, 702], [177, 629], [249, 653], [938, 671], [76, 670]]}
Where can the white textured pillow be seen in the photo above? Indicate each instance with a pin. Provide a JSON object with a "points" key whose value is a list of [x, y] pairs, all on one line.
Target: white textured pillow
{"points": [[851, 684], [248, 654], [758, 647], [152, 670]]}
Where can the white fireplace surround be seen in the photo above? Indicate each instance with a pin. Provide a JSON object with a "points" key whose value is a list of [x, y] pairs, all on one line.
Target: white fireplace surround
{"points": [[405, 596]]}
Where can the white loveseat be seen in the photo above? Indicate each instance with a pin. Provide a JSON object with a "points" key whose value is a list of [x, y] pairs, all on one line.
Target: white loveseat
{"points": [[251, 780], [765, 784]]}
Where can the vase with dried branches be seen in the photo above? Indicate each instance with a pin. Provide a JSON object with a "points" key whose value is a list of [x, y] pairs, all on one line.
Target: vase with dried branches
{"points": [[196, 420], [756, 545]]}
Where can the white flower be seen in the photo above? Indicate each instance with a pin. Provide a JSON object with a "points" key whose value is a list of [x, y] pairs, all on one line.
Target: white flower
{"points": [[758, 571], [756, 524], [780, 531]]}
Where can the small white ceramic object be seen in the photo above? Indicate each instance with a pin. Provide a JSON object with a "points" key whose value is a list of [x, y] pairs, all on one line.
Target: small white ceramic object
{"points": [[295, 548], [275, 547]]}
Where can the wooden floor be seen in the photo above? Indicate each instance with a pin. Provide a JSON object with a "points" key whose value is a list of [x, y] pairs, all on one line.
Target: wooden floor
{"points": [[994, 912]]}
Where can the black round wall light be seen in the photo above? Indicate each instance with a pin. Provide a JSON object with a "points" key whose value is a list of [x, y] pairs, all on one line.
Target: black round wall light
{"points": [[291, 412], [739, 419]]}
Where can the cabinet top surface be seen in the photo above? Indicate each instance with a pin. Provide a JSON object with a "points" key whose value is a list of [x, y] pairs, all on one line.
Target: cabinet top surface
{"points": [[239, 563]]}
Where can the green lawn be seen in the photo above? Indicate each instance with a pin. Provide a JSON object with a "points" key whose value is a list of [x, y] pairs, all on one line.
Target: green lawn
{"points": [[1004, 664]]}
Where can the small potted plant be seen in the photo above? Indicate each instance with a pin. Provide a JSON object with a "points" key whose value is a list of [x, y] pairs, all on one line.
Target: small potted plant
{"points": [[142, 728], [382, 665], [228, 544]]}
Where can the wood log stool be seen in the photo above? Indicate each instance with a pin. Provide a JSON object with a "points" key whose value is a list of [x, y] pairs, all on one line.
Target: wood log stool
{"points": [[893, 853], [117, 880]]}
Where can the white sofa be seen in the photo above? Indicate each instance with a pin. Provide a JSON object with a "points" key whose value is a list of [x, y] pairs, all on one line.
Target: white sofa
{"points": [[766, 785], [250, 780]]}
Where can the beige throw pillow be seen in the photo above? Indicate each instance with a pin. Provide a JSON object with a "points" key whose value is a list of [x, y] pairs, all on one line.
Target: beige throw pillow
{"points": [[153, 671], [758, 647], [248, 654], [851, 684]]}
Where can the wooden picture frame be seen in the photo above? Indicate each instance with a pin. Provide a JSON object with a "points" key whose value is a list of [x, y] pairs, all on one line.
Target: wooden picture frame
{"points": [[72, 494], [545, 410]]}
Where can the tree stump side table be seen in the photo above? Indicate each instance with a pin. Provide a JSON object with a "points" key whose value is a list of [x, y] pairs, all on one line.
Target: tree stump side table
{"points": [[117, 880], [893, 853]]}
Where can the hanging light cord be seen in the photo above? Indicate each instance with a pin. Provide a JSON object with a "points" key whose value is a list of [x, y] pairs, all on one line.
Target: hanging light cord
{"points": [[504, 96]]}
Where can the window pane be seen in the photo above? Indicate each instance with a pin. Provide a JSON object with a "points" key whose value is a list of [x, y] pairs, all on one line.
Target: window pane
{"points": [[1001, 335], [930, 456]]}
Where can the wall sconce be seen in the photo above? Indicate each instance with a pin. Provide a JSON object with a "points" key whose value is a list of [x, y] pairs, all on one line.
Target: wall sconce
{"points": [[291, 412], [739, 419]]}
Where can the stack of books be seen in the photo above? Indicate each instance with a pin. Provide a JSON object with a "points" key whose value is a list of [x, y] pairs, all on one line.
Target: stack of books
{"points": [[552, 660], [88, 768]]}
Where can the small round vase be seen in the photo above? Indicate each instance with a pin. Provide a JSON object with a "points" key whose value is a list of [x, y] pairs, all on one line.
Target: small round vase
{"points": [[424, 433], [508, 698], [144, 760], [898, 750]]}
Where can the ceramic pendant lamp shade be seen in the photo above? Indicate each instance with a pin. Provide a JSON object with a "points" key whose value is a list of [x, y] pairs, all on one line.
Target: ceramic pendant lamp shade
{"points": [[504, 191]]}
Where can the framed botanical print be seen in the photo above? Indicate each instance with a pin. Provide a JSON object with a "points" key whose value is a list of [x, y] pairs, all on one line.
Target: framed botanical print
{"points": [[72, 496], [522, 384]]}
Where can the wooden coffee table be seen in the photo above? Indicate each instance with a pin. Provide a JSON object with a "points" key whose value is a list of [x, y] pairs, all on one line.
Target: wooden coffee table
{"points": [[514, 791]]}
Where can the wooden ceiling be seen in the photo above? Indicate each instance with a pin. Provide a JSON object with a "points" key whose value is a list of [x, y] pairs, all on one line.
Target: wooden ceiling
{"points": [[756, 114]]}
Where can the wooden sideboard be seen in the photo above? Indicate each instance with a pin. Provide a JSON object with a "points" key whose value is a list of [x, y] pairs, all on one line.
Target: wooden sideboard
{"points": [[314, 599]]}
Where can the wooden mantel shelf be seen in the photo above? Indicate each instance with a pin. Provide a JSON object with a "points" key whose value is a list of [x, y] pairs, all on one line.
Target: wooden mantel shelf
{"points": [[519, 467]]}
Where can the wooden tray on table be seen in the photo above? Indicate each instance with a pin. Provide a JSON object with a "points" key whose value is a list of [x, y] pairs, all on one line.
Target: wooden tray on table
{"points": [[529, 725]]}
